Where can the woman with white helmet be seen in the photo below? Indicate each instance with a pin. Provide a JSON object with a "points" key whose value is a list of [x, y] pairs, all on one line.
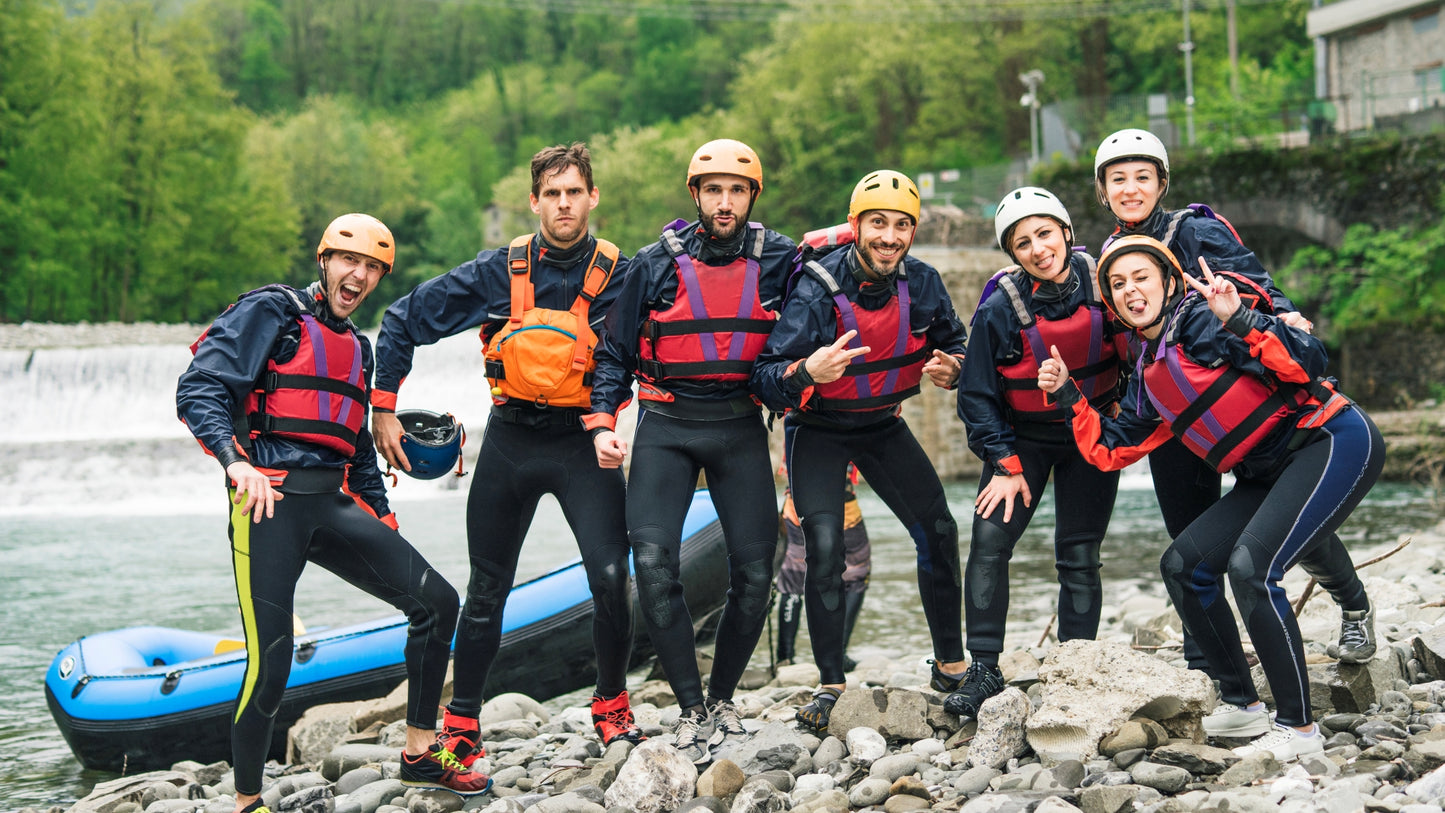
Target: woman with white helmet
{"points": [[1048, 300], [1131, 178]]}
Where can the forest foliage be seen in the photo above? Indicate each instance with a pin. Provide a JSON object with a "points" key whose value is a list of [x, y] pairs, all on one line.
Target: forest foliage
{"points": [[157, 157]]}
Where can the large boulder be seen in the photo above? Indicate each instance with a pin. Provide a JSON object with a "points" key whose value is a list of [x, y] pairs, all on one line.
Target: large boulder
{"points": [[655, 778], [897, 714], [1091, 687]]}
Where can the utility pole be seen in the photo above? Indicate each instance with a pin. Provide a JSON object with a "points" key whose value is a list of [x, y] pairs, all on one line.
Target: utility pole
{"points": [[1032, 79], [1187, 46], [1233, 29]]}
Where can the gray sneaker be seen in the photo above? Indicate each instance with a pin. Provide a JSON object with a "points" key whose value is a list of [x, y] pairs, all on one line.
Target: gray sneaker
{"points": [[1357, 636], [726, 722], [691, 736]]}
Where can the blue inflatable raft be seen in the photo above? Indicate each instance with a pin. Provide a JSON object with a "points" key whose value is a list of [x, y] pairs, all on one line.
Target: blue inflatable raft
{"points": [[145, 698]]}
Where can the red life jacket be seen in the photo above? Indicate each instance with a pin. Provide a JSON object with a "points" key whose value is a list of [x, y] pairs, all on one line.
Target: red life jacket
{"points": [[319, 395], [1092, 358], [892, 368], [1221, 413], [544, 356], [716, 325]]}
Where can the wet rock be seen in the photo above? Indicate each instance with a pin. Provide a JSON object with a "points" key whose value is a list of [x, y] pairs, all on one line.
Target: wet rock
{"points": [[1000, 736], [1090, 688]]}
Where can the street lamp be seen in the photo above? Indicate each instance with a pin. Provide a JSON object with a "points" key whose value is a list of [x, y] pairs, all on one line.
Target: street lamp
{"points": [[1032, 79]]}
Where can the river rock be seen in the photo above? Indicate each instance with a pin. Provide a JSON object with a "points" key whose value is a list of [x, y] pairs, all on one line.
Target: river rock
{"points": [[897, 714], [775, 746], [1000, 729], [512, 706], [865, 745], [1090, 688], [567, 803], [655, 778], [1166, 778], [832, 750], [722, 778], [829, 801], [871, 791], [760, 796], [1194, 757]]}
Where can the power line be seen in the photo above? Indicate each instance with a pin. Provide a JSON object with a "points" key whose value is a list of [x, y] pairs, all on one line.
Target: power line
{"points": [[913, 11]]}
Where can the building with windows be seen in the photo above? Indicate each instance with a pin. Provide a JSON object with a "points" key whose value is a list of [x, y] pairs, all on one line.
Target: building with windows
{"points": [[1379, 64]]}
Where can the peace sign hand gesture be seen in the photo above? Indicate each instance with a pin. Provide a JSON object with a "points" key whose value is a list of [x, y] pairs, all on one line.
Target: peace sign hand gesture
{"points": [[1220, 293], [829, 362]]}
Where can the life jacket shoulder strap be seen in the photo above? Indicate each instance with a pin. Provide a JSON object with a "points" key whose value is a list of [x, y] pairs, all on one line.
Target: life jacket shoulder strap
{"points": [[519, 268]]}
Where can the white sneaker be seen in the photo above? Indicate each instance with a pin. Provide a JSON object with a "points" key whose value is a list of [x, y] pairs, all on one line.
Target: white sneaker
{"points": [[1285, 744], [1228, 720]]}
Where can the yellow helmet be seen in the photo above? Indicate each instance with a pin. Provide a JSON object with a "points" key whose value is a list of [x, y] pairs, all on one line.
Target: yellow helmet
{"points": [[885, 189], [725, 155], [360, 233]]}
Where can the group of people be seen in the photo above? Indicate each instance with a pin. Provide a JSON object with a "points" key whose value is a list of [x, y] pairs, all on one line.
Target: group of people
{"points": [[1175, 344]]}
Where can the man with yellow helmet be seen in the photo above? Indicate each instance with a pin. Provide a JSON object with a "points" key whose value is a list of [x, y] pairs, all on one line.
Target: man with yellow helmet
{"points": [[693, 313], [305, 487], [858, 334]]}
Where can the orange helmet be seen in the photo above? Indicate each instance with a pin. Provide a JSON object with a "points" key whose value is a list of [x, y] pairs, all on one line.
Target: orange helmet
{"points": [[726, 156], [360, 233]]}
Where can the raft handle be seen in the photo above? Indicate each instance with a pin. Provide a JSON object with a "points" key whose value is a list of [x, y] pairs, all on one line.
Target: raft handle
{"points": [[173, 679], [79, 684], [305, 651]]}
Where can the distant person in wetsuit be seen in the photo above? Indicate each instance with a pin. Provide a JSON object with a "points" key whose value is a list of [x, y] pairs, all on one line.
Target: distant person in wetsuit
{"points": [[793, 572], [277, 393]]}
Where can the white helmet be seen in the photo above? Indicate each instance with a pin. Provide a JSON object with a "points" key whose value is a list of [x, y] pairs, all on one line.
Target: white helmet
{"points": [[1131, 143], [1027, 201]]}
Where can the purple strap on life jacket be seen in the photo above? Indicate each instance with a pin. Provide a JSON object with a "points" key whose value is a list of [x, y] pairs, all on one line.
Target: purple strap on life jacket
{"points": [[318, 352], [900, 347], [850, 322]]}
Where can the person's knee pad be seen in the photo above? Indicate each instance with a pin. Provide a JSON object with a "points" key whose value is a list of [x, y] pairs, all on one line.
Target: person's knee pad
{"points": [[486, 595], [753, 581], [1246, 579], [1078, 569], [988, 558], [657, 572], [935, 538], [824, 533], [608, 582], [1176, 581]]}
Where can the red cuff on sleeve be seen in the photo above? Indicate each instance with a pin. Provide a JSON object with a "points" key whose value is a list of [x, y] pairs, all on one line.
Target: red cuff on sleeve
{"points": [[390, 521], [600, 420], [383, 400], [1012, 464]]}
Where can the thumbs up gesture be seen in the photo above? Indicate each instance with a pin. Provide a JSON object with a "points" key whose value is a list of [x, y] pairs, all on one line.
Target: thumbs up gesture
{"points": [[1053, 372]]}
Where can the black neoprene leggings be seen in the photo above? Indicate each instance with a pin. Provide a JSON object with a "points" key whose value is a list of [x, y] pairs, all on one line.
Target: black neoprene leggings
{"points": [[1186, 487], [332, 530], [900, 473], [1083, 503], [1254, 534], [667, 454], [516, 466]]}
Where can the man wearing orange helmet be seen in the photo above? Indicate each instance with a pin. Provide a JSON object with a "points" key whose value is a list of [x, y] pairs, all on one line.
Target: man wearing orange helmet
{"points": [[692, 315], [859, 333], [537, 303], [277, 393]]}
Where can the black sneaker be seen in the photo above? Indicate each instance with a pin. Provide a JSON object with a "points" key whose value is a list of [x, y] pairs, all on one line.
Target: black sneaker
{"points": [[943, 682], [440, 768], [980, 683], [1357, 636]]}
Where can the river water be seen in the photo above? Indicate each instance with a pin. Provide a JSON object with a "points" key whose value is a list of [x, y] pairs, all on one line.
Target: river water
{"points": [[111, 517]]}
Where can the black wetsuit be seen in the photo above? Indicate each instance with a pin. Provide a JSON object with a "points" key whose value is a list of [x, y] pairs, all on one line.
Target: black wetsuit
{"points": [[526, 452], [316, 522]]}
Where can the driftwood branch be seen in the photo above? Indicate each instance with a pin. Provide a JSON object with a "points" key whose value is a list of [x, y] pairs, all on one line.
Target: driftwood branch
{"points": [[1310, 587]]}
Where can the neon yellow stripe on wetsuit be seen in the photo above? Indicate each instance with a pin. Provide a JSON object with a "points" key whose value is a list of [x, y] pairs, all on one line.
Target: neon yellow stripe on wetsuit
{"points": [[241, 563]]}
